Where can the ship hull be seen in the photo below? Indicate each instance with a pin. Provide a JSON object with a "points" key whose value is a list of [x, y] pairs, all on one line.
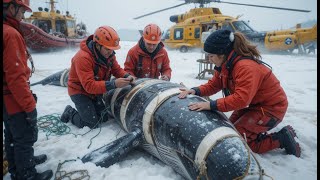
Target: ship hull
{"points": [[38, 40]]}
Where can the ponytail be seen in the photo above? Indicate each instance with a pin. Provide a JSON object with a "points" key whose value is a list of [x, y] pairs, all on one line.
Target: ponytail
{"points": [[243, 47]]}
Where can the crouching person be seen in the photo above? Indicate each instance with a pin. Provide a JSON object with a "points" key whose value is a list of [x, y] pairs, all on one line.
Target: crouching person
{"points": [[89, 77], [251, 91]]}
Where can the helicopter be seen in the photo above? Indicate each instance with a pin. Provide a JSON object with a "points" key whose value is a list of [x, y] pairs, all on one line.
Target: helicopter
{"points": [[192, 28]]}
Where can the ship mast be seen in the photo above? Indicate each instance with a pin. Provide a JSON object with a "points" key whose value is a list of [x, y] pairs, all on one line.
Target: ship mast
{"points": [[52, 5]]}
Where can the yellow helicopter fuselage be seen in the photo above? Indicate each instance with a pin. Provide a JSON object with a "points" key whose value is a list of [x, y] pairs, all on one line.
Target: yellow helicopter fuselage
{"points": [[190, 28], [290, 38]]}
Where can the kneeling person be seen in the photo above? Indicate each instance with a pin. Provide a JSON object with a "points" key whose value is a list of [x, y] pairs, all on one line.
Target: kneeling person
{"points": [[89, 77]]}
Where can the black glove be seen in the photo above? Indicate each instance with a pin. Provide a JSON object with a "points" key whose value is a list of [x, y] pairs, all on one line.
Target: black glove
{"points": [[110, 85], [35, 97], [32, 117]]}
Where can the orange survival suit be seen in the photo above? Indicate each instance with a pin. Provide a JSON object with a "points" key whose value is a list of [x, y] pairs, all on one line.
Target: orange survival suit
{"points": [[255, 95], [141, 64]]}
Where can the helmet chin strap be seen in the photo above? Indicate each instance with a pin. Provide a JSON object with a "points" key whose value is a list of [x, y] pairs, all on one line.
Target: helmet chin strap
{"points": [[16, 8], [97, 46]]}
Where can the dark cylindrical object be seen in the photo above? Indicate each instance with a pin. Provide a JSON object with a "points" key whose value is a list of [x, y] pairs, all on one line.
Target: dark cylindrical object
{"points": [[58, 79], [193, 143], [115, 150]]}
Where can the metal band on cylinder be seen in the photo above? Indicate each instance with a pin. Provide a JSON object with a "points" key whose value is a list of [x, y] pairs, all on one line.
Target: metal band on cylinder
{"points": [[113, 99], [151, 108], [210, 140], [64, 73], [127, 99]]}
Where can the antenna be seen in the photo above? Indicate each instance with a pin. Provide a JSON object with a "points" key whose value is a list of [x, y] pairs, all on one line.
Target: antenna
{"points": [[51, 5]]}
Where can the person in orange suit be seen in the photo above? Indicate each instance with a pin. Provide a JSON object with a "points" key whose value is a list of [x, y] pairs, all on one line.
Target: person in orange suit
{"points": [[19, 103], [250, 90], [90, 77], [148, 58]]}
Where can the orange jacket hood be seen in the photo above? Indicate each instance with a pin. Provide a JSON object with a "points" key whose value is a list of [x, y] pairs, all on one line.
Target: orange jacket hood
{"points": [[82, 79]]}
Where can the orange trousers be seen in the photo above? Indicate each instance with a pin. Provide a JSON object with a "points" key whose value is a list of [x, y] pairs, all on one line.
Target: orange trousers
{"points": [[253, 125]]}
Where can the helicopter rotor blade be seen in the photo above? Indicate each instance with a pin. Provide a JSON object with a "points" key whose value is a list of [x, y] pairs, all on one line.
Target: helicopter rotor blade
{"points": [[271, 7], [159, 11]]}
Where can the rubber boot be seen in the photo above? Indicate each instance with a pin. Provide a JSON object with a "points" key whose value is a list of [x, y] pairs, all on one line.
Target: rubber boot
{"points": [[40, 159], [26, 174], [66, 115], [13, 176], [286, 137], [76, 120], [31, 174], [46, 175]]}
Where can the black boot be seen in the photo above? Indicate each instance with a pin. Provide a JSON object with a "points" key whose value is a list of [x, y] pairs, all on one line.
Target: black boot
{"points": [[40, 159], [46, 175], [286, 138], [13, 176], [31, 174], [67, 113], [13, 173]]}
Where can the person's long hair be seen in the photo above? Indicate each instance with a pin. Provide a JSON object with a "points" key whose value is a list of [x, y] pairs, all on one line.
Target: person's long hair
{"points": [[243, 47]]}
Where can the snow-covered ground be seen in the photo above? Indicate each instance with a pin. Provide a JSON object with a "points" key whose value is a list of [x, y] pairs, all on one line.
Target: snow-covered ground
{"points": [[298, 77]]}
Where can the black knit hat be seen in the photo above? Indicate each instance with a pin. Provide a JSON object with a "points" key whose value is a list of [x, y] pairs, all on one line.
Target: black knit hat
{"points": [[219, 42]]}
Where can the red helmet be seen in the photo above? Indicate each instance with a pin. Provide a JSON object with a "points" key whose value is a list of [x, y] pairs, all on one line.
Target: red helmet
{"points": [[152, 34], [24, 3], [106, 36]]}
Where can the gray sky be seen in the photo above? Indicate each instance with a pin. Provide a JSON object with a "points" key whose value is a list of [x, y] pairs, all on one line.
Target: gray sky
{"points": [[119, 14]]}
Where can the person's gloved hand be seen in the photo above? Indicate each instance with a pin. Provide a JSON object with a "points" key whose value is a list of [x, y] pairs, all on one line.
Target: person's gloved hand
{"points": [[165, 78], [32, 117], [35, 97]]}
